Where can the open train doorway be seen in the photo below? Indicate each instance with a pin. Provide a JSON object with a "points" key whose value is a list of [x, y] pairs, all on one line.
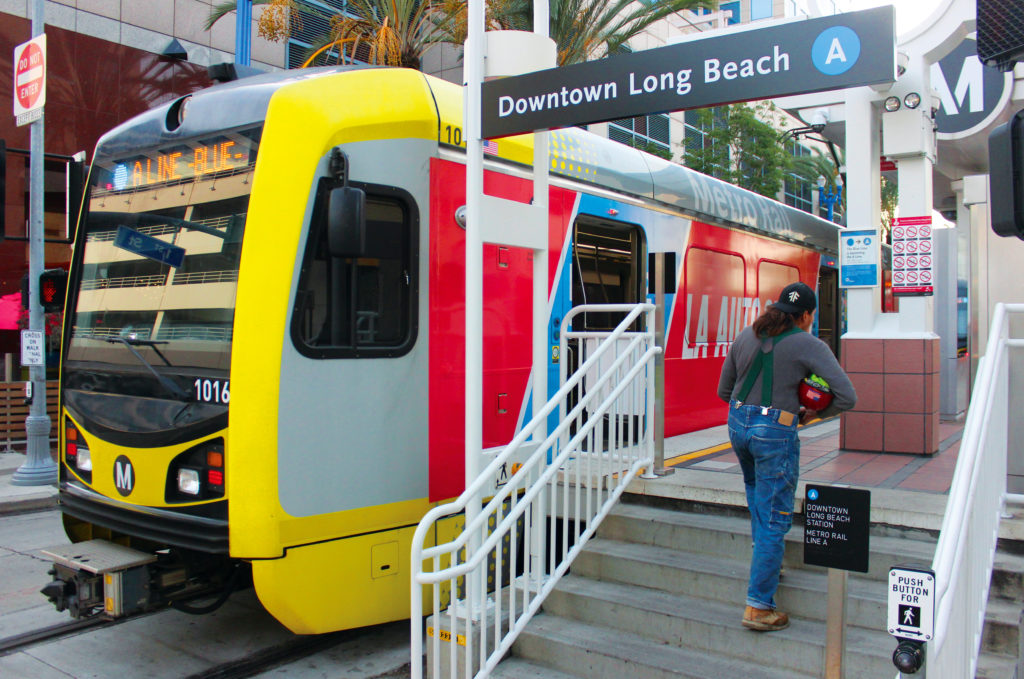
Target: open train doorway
{"points": [[829, 308], [608, 267]]}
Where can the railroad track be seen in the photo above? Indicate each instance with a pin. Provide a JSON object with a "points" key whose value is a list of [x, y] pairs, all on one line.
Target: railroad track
{"points": [[17, 642]]}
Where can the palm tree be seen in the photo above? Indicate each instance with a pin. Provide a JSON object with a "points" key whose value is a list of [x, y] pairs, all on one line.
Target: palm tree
{"points": [[383, 32], [397, 32]]}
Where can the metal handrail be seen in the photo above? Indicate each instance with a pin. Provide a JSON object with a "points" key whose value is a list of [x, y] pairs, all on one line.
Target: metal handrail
{"points": [[575, 475], [965, 552]]}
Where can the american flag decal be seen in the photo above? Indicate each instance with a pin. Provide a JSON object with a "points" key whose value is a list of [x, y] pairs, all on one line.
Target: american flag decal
{"points": [[491, 147]]}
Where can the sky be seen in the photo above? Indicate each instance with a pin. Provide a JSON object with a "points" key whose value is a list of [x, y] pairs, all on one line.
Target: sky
{"points": [[909, 13]]}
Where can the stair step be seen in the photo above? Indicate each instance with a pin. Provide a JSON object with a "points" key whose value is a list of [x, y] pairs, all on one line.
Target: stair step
{"points": [[801, 592], [711, 627], [730, 536], [518, 668], [991, 666], [597, 652], [1002, 632]]}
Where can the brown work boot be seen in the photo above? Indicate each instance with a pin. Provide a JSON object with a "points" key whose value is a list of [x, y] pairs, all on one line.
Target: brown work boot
{"points": [[764, 619]]}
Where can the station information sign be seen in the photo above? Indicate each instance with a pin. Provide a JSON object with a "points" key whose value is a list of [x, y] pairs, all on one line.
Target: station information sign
{"points": [[858, 259], [812, 55], [836, 522], [912, 257]]}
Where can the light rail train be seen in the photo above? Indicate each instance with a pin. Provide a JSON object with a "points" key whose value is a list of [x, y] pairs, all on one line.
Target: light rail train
{"points": [[256, 382]]}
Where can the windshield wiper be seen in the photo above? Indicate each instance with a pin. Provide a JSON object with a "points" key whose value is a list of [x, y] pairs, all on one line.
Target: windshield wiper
{"points": [[169, 385]]}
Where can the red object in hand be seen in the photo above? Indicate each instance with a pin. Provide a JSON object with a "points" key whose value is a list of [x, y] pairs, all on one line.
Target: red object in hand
{"points": [[814, 396]]}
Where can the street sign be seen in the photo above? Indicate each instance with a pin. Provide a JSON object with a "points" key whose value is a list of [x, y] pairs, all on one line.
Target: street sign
{"points": [[858, 259], [836, 522], [149, 247], [911, 603], [32, 347], [30, 80], [912, 256], [797, 57]]}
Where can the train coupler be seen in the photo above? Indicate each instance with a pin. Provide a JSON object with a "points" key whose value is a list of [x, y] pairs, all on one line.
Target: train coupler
{"points": [[99, 577]]}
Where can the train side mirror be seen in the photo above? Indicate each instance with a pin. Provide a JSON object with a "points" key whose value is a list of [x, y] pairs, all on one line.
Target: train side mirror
{"points": [[346, 222]]}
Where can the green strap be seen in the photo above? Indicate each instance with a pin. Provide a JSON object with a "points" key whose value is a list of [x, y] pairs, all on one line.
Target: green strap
{"points": [[764, 361]]}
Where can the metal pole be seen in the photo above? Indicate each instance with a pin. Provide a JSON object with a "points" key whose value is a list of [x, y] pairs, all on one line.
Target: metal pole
{"points": [[474, 74], [659, 369], [39, 468], [243, 32], [835, 624]]}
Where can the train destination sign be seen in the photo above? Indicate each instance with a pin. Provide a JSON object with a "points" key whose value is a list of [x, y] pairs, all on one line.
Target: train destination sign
{"points": [[188, 160], [836, 522], [828, 53]]}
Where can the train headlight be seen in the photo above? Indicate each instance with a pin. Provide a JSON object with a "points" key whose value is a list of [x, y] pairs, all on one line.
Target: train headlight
{"points": [[83, 459], [188, 481]]}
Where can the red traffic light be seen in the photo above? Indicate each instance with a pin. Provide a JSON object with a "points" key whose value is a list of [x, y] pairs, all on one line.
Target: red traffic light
{"points": [[53, 286]]}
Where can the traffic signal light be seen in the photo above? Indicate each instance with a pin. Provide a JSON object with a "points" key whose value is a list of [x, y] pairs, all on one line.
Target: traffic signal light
{"points": [[1006, 177], [53, 287], [1000, 32]]}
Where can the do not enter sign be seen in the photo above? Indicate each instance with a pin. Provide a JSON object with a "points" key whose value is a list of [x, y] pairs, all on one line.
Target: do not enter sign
{"points": [[30, 79]]}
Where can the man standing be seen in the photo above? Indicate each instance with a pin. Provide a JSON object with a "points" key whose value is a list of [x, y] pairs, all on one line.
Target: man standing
{"points": [[772, 357]]}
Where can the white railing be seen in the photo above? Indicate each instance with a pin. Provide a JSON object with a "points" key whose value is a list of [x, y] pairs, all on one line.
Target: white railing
{"points": [[967, 543], [488, 578]]}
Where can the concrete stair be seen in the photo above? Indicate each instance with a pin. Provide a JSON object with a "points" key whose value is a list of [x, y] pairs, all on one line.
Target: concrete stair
{"points": [[659, 593]]}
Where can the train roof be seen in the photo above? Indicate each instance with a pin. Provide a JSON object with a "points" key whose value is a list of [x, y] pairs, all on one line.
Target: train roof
{"points": [[575, 154]]}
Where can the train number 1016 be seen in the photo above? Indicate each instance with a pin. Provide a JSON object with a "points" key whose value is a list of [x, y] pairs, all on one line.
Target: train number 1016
{"points": [[212, 391]]}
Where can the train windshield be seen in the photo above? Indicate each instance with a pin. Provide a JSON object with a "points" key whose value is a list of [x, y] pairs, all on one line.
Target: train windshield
{"points": [[158, 267]]}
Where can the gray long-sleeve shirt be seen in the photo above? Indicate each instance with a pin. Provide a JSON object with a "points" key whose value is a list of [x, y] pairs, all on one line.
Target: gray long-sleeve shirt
{"points": [[796, 356]]}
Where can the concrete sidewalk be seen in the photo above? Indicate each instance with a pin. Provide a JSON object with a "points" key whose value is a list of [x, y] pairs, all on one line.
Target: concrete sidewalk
{"points": [[15, 499], [906, 490]]}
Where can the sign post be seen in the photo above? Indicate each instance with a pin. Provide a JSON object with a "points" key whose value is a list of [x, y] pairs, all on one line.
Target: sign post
{"points": [[836, 535], [39, 469]]}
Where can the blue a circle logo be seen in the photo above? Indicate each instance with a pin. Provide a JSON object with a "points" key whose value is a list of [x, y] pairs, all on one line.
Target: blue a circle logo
{"points": [[836, 50], [812, 494]]}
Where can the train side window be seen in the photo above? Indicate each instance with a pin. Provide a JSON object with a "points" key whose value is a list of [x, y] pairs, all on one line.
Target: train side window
{"points": [[772, 277], [365, 306]]}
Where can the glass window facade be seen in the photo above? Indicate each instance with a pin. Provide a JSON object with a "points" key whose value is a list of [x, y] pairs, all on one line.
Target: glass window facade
{"points": [[760, 9], [735, 8], [641, 131]]}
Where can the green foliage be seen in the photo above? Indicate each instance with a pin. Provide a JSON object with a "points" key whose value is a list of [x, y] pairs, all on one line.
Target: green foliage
{"points": [[890, 197], [400, 31], [741, 147]]}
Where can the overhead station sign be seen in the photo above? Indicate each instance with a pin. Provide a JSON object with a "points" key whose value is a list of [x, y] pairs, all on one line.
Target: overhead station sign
{"points": [[845, 50]]}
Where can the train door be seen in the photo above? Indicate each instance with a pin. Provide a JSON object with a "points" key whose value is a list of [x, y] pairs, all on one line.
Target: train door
{"points": [[608, 268], [829, 308]]}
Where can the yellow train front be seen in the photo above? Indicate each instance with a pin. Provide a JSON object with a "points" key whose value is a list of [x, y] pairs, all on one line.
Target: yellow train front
{"points": [[204, 422]]}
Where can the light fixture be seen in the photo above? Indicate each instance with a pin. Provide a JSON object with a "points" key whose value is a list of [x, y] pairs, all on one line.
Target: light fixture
{"points": [[83, 460], [820, 182], [188, 481], [912, 100], [892, 104], [839, 180]]}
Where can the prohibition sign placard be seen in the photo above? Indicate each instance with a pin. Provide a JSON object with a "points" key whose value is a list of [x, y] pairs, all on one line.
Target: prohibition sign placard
{"points": [[30, 80]]}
